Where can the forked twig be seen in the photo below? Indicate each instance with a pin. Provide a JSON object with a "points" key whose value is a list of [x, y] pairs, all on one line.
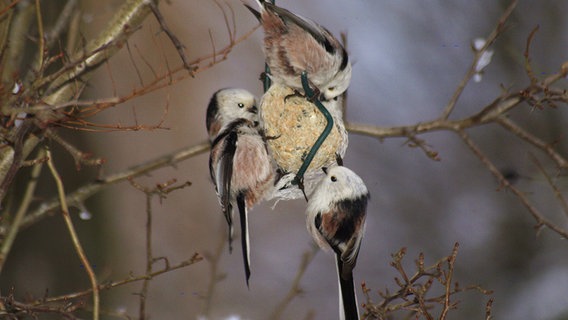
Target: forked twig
{"points": [[173, 38], [132, 278], [414, 292], [478, 53], [161, 190]]}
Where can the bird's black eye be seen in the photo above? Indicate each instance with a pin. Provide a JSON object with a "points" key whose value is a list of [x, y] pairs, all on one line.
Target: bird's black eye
{"points": [[317, 220], [333, 178], [331, 88], [241, 105], [336, 98]]}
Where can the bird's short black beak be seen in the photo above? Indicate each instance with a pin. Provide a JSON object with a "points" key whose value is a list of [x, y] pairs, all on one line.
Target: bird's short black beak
{"points": [[324, 169], [253, 109]]}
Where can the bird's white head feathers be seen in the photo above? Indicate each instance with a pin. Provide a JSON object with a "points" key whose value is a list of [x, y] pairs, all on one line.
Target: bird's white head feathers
{"points": [[338, 84], [340, 183], [228, 105]]}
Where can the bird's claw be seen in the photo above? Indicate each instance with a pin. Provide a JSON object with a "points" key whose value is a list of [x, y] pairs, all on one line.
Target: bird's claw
{"points": [[299, 181], [339, 160]]}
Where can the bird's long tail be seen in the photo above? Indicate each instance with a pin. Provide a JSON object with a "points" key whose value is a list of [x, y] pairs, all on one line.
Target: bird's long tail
{"points": [[347, 298], [245, 243], [255, 12], [260, 3]]}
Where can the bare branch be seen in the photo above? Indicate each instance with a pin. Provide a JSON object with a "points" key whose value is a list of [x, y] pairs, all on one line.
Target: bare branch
{"points": [[448, 281], [194, 259], [557, 192], [488, 307], [511, 126], [41, 35], [414, 292], [8, 7], [24, 205], [128, 18], [74, 236], [214, 275], [79, 156], [471, 71], [528, 66], [540, 219], [86, 191], [173, 38], [295, 288], [161, 189]]}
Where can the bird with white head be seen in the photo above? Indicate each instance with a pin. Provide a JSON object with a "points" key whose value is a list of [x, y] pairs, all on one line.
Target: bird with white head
{"points": [[336, 220]]}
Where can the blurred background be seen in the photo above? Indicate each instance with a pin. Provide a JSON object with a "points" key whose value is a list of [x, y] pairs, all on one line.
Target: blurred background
{"points": [[409, 57]]}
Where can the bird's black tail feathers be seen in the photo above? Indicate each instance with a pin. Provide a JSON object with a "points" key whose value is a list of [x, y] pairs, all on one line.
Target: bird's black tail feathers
{"points": [[243, 215], [347, 293], [255, 12]]}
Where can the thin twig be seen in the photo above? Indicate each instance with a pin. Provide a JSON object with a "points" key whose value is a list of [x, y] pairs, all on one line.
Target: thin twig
{"points": [[122, 25], [11, 159], [73, 233], [540, 219], [134, 65], [295, 289], [8, 7], [161, 190], [226, 19], [528, 66], [413, 293], [557, 192], [488, 307], [62, 21], [511, 126], [448, 278], [478, 53], [14, 227], [79, 156], [487, 115], [159, 82], [214, 276], [194, 259], [19, 310], [173, 38], [149, 257], [41, 35], [86, 191]]}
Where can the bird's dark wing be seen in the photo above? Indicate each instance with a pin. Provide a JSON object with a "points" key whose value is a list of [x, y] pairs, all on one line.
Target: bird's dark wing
{"points": [[221, 168], [350, 232]]}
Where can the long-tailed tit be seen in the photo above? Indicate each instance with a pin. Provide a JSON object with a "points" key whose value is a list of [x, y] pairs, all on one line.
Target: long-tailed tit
{"points": [[336, 220], [295, 123], [239, 163], [227, 105], [293, 44]]}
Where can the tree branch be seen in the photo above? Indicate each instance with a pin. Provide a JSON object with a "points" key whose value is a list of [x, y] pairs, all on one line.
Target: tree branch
{"points": [[86, 191], [14, 227], [540, 219], [74, 236], [478, 53]]}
